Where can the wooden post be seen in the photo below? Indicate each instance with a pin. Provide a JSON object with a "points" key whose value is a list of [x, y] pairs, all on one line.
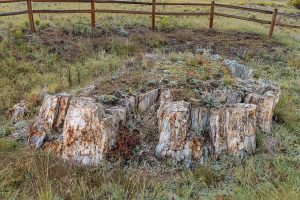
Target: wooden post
{"points": [[212, 12], [273, 22], [93, 14], [30, 15], [153, 14]]}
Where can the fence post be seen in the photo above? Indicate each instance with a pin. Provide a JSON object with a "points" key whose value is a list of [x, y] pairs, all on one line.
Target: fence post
{"points": [[30, 15], [212, 12], [153, 14], [93, 15], [273, 22]]}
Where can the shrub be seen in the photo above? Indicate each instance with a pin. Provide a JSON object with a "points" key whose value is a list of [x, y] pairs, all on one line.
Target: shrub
{"points": [[195, 61], [152, 40], [121, 47], [228, 79], [108, 99], [295, 3]]}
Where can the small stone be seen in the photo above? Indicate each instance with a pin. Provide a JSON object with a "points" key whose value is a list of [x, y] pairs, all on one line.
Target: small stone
{"points": [[20, 130], [152, 82], [215, 57], [87, 90], [173, 83], [18, 112], [238, 70], [123, 32], [114, 77]]}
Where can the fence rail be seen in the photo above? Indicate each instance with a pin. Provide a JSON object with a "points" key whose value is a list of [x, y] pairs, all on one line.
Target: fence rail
{"points": [[272, 23]]}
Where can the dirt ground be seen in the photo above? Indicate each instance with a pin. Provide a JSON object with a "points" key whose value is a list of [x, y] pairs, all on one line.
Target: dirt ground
{"points": [[227, 43]]}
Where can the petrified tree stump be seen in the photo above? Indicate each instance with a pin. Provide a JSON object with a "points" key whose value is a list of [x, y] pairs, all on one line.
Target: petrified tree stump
{"points": [[89, 133], [266, 99], [173, 127], [175, 141], [233, 128], [85, 130]]}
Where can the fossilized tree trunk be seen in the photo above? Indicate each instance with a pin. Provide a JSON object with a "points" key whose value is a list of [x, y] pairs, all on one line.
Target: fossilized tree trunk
{"points": [[173, 127], [88, 129], [89, 133], [50, 119], [233, 128], [85, 130], [174, 120], [266, 101]]}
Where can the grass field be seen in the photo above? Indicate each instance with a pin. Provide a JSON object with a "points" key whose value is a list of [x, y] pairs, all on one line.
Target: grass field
{"points": [[64, 55]]}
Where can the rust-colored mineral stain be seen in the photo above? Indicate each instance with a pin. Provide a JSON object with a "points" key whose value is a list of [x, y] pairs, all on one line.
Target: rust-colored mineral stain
{"points": [[70, 137], [196, 148]]}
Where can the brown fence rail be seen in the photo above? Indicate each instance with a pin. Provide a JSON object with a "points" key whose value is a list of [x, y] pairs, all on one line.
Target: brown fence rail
{"points": [[272, 23]]}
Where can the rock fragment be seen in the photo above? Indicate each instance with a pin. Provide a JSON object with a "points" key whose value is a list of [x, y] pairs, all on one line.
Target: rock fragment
{"points": [[148, 99], [50, 119], [20, 130], [18, 112], [265, 98], [238, 70]]}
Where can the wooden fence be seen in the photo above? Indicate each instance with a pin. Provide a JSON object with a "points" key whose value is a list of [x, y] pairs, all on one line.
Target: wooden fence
{"points": [[30, 11]]}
